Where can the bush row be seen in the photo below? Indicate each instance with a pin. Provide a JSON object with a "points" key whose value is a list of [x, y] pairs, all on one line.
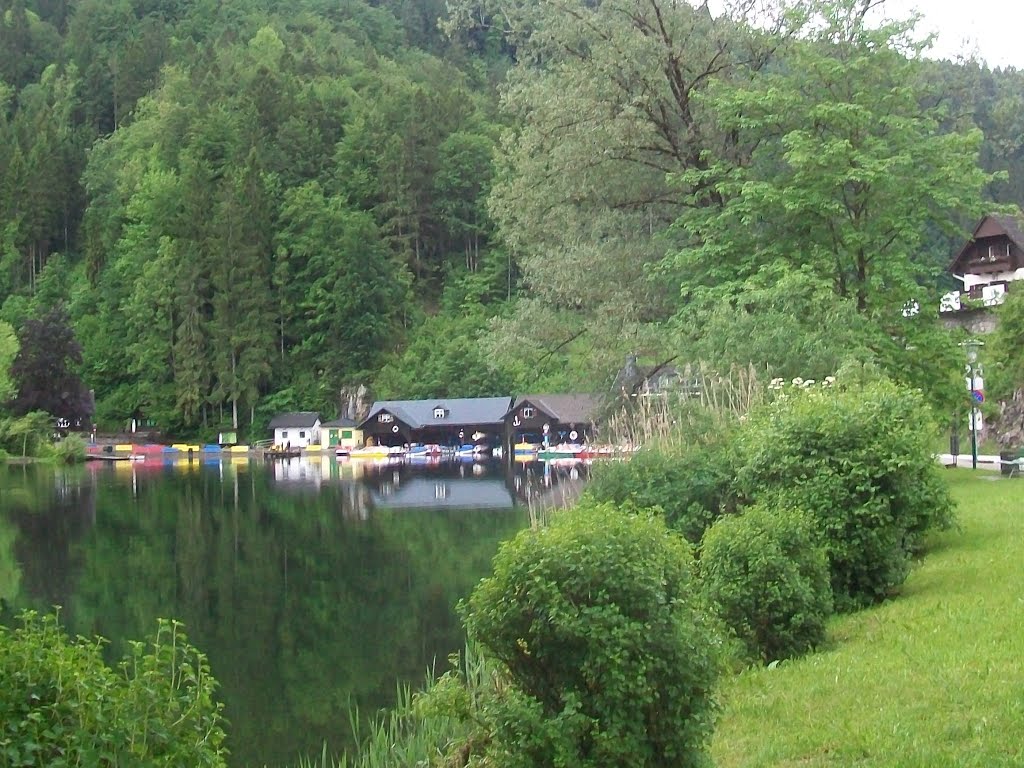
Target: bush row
{"points": [[855, 459]]}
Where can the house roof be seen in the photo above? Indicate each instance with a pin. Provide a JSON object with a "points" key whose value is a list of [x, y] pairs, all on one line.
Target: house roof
{"points": [[568, 409], [341, 422], [1010, 225], [297, 419], [458, 412]]}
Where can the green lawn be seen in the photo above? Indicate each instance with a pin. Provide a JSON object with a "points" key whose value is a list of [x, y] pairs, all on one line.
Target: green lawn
{"points": [[932, 678]]}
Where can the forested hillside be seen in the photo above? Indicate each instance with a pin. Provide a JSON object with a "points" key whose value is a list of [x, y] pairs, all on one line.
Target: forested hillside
{"points": [[244, 207]]}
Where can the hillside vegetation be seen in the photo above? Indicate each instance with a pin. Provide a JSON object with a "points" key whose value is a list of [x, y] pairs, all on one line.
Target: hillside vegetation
{"points": [[239, 209]]}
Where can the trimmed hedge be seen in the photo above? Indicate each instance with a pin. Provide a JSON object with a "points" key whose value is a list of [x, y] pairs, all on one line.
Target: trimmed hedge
{"points": [[859, 461], [610, 659], [691, 487], [766, 575]]}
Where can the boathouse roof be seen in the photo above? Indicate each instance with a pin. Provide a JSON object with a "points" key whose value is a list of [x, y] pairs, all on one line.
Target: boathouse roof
{"points": [[467, 411], [567, 409], [297, 419]]}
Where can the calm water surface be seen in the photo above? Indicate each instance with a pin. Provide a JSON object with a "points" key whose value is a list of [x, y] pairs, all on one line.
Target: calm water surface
{"points": [[311, 585]]}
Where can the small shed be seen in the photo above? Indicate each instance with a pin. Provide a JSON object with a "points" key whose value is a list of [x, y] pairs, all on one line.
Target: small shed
{"points": [[296, 430], [341, 433]]}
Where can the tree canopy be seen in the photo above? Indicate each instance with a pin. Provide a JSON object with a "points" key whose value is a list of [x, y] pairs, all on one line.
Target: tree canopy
{"points": [[252, 206]]}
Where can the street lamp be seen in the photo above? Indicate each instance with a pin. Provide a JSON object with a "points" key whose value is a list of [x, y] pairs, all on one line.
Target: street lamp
{"points": [[971, 347]]}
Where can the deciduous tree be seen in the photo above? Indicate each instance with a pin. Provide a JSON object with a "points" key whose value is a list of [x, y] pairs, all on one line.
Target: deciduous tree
{"points": [[45, 369]]}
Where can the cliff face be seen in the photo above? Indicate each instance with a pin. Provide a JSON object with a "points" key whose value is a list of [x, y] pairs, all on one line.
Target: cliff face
{"points": [[1009, 429]]}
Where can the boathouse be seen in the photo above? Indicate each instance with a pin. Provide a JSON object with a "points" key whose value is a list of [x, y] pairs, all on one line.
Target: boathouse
{"points": [[552, 419], [299, 430], [446, 422], [341, 433]]}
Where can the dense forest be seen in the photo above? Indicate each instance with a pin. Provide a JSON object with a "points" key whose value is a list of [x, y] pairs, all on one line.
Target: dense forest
{"points": [[213, 211]]}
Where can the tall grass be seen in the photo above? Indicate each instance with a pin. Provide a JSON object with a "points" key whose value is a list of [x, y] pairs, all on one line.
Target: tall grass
{"points": [[428, 728], [670, 420]]}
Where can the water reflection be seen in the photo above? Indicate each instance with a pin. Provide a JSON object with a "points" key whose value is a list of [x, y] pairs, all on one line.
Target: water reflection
{"points": [[309, 583]]}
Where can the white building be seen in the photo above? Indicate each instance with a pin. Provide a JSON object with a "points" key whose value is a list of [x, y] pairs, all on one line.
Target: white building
{"points": [[296, 430]]}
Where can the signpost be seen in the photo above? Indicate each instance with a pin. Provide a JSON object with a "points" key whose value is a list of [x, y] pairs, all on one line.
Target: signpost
{"points": [[976, 386]]}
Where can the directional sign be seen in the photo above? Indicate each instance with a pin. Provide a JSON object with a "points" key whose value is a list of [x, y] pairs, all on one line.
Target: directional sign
{"points": [[978, 395]]}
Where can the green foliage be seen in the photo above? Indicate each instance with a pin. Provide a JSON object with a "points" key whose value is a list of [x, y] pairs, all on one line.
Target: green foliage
{"points": [[444, 358], [858, 459], [1003, 358], [690, 486], [767, 576], [609, 659], [846, 170], [8, 352], [70, 450], [785, 323], [26, 435], [59, 701]]}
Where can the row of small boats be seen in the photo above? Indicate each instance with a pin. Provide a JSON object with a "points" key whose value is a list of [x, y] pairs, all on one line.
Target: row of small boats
{"points": [[523, 452], [414, 451]]}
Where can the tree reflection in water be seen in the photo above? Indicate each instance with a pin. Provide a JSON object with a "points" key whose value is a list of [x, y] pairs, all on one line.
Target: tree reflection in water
{"points": [[312, 585]]}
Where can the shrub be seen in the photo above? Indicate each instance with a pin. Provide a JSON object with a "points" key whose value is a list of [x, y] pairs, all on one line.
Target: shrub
{"points": [[60, 704], [609, 660], [70, 450], [690, 486], [859, 461], [767, 576]]}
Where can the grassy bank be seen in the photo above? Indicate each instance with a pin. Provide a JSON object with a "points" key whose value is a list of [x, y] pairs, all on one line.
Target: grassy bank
{"points": [[933, 678]]}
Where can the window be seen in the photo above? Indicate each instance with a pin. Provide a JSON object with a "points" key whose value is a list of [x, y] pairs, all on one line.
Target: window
{"points": [[284, 434], [346, 434], [998, 251], [528, 412], [302, 435], [439, 412], [385, 418]]}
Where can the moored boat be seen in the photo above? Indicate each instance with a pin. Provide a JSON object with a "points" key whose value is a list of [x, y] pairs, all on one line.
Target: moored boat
{"points": [[420, 451], [561, 451], [377, 452]]}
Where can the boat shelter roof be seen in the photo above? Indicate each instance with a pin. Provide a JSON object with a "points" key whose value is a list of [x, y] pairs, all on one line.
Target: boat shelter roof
{"points": [[567, 409], [466, 411]]}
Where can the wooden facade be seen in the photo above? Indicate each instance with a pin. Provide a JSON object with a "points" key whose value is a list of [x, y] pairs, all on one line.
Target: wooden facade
{"points": [[990, 264], [552, 419], [445, 422]]}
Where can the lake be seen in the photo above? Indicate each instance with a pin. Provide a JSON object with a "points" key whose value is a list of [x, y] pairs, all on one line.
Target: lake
{"points": [[313, 585]]}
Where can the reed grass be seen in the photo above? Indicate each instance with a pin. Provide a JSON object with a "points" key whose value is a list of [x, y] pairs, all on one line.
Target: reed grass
{"points": [[708, 402], [426, 728]]}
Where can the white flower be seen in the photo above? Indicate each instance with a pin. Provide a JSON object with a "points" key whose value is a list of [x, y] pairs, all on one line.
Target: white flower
{"points": [[798, 382], [809, 383]]}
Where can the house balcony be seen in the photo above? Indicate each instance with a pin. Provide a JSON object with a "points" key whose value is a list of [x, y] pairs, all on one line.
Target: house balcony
{"points": [[979, 297], [989, 266]]}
